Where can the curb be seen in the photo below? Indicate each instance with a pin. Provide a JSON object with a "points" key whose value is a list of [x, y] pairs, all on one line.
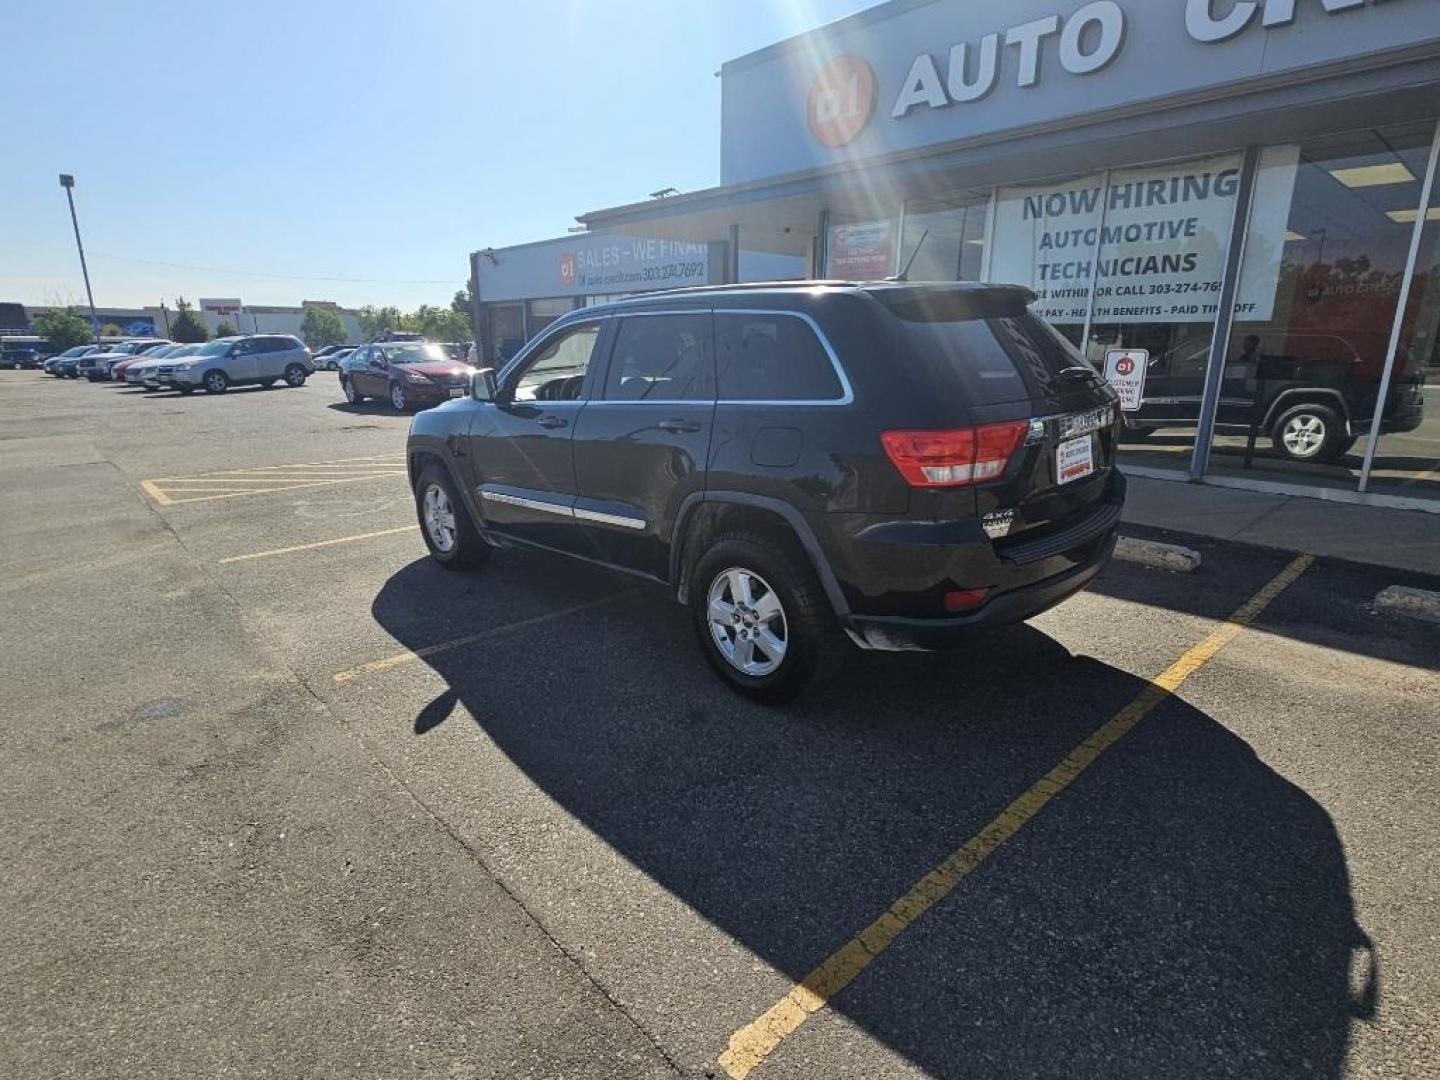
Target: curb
{"points": [[1415, 603], [1182, 560]]}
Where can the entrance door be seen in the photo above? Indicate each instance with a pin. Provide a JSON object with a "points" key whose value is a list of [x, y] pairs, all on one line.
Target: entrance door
{"points": [[642, 444], [521, 446]]}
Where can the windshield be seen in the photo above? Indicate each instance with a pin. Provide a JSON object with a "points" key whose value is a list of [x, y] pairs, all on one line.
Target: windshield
{"points": [[414, 354], [78, 350]]}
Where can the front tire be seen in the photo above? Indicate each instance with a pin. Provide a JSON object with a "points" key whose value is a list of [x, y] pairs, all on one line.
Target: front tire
{"points": [[295, 375], [1309, 433], [451, 536], [761, 618], [216, 382]]}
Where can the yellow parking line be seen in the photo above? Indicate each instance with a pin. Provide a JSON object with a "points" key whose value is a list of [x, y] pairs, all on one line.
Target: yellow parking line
{"points": [[317, 544], [409, 657], [148, 486], [171, 501], [753, 1043]]}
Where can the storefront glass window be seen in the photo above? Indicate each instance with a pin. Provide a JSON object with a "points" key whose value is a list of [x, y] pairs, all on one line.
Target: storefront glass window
{"points": [[542, 313], [1326, 247], [944, 240], [505, 331], [1407, 455], [1138, 255]]}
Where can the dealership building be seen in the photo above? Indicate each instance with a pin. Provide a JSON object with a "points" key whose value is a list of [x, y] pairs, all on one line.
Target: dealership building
{"points": [[1233, 200]]}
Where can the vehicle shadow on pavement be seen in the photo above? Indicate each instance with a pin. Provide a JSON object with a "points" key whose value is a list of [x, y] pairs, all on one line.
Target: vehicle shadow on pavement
{"points": [[1180, 911]]}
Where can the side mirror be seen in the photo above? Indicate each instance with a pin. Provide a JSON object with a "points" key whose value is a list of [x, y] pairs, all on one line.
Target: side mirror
{"points": [[482, 385]]}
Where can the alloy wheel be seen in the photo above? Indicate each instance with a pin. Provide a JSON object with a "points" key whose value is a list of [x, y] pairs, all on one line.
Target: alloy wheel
{"points": [[747, 622], [1303, 435], [439, 518], [397, 397], [349, 388]]}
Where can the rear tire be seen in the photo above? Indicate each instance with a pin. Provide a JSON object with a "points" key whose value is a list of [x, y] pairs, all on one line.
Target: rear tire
{"points": [[1309, 432], [295, 375], [353, 396], [784, 632], [445, 523]]}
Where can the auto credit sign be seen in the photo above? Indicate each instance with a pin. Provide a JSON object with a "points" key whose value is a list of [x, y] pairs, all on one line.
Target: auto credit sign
{"points": [[1125, 371], [904, 76]]}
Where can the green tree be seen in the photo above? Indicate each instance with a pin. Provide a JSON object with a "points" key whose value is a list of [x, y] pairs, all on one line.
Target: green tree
{"points": [[322, 326], [225, 328], [373, 320], [63, 329], [464, 299], [439, 324], [186, 326]]}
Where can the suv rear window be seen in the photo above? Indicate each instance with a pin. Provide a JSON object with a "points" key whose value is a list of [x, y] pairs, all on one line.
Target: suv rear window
{"points": [[994, 360], [772, 356]]}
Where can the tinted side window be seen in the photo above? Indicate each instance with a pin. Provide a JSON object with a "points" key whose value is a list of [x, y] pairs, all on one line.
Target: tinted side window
{"points": [[557, 371], [772, 357], [662, 358]]}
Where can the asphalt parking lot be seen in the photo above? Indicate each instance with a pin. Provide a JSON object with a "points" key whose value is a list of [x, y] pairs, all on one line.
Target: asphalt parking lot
{"points": [[284, 799]]}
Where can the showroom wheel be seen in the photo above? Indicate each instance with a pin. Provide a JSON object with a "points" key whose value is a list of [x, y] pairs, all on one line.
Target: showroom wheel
{"points": [[216, 382], [762, 619], [451, 536], [295, 375], [397, 398], [353, 396], [1309, 433]]}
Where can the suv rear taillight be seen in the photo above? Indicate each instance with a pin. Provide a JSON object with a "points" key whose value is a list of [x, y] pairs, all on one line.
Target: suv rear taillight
{"points": [[954, 458]]}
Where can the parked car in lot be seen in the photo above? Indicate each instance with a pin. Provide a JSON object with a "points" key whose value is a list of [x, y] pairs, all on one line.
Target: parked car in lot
{"points": [[328, 357], [408, 374], [22, 351], [1311, 394], [95, 366], [52, 364], [67, 366], [896, 464], [123, 357], [253, 359], [140, 370]]}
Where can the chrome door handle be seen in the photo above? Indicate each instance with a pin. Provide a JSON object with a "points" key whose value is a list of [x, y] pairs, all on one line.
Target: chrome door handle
{"points": [[552, 421], [678, 425]]}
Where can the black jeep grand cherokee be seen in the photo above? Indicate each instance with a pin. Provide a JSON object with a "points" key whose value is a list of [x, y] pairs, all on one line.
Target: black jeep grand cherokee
{"points": [[901, 462]]}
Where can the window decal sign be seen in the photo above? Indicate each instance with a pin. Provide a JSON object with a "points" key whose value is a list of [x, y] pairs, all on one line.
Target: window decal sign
{"points": [[861, 252], [1151, 247]]}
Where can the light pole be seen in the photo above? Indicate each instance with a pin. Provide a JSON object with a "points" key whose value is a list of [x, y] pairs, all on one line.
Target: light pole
{"points": [[68, 183]]}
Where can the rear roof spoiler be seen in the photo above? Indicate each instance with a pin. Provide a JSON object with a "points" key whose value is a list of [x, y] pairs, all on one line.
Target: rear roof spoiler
{"points": [[951, 301]]}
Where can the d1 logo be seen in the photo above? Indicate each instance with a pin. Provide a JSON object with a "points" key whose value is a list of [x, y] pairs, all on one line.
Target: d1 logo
{"points": [[1125, 365], [842, 100], [569, 271]]}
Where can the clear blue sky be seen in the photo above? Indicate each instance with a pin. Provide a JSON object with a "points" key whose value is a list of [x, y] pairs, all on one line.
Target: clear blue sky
{"points": [[312, 139]]}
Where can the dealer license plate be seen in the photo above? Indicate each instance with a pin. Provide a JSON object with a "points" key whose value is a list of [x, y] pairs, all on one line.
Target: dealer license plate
{"points": [[1074, 458], [457, 391]]}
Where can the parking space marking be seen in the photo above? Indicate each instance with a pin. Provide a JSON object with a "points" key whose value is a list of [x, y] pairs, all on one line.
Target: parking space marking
{"points": [[409, 656], [263, 479], [752, 1044], [318, 544]]}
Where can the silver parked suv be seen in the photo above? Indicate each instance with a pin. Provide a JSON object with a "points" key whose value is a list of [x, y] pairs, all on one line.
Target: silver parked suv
{"points": [[235, 361]]}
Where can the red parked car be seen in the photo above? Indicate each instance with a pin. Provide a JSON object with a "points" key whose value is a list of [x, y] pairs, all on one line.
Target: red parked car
{"points": [[409, 374], [117, 369]]}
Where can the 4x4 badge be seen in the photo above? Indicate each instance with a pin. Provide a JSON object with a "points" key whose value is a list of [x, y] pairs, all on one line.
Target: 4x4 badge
{"points": [[997, 523]]}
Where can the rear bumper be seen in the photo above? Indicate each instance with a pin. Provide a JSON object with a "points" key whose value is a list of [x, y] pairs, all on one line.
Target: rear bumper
{"points": [[907, 576], [900, 634]]}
